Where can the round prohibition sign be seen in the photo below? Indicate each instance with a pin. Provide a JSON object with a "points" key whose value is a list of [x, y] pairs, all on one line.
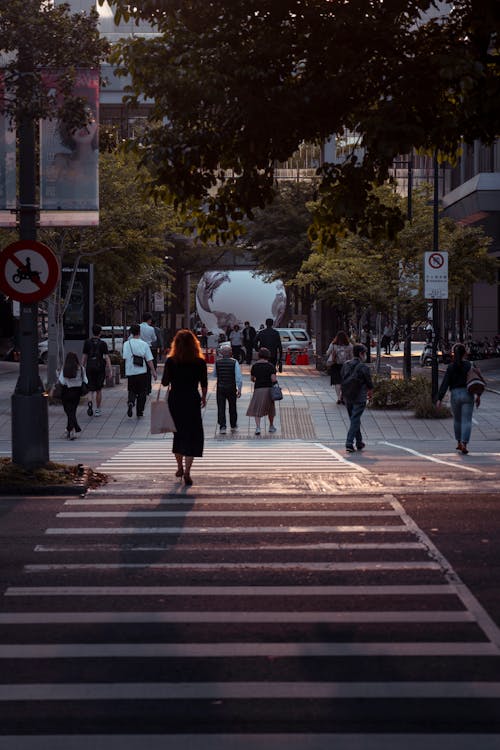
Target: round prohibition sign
{"points": [[436, 260], [28, 271]]}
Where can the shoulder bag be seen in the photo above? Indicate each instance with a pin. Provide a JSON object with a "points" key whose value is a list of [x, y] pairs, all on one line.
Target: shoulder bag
{"points": [[136, 358], [475, 381], [276, 392], [84, 388], [161, 417]]}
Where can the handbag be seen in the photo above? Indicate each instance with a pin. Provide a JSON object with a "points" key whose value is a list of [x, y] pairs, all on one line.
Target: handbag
{"points": [[276, 392], [161, 418], [475, 381], [84, 388]]}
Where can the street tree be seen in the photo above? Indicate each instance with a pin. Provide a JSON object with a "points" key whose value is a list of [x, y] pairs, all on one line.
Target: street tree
{"points": [[35, 37], [236, 87]]}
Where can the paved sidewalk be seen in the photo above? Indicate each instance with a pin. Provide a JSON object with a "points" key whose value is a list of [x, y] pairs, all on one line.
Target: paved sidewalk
{"points": [[308, 412]]}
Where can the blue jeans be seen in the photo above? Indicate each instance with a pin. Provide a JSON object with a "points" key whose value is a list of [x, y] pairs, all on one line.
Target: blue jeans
{"points": [[462, 405], [354, 433]]}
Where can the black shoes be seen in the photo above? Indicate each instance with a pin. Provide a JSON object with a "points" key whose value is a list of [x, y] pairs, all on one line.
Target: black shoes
{"points": [[90, 410], [360, 446], [130, 407], [350, 448]]}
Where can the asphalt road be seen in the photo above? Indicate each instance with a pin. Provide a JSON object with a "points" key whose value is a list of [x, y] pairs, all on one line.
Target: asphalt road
{"points": [[293, 617]]}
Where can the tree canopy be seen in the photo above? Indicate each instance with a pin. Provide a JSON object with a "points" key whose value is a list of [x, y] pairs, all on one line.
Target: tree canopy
{"points": [[236, 87]]}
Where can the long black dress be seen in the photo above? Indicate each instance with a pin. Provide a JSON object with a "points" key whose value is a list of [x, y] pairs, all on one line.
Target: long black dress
{"points": [[184, 402]]}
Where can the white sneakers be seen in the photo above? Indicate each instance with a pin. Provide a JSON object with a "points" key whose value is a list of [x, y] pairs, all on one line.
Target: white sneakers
{"points": [[272, 428]]}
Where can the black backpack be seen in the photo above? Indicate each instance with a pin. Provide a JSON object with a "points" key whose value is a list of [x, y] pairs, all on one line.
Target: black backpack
{"points": [[351, 383], [94, 358]]}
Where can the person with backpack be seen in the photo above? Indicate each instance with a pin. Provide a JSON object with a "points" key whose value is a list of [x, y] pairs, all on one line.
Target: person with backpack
{"points": [[462, 396], [96, 361], [337, 354], [357, 388]]}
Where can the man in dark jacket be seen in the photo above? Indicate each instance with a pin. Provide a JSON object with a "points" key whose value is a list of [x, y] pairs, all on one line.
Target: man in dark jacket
{"points": [[357, 387], [269, 338], [248, 339]]}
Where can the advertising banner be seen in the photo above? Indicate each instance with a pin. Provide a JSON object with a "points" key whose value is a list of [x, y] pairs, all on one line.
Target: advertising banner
{"points": [[7, 170], [69, 186]]}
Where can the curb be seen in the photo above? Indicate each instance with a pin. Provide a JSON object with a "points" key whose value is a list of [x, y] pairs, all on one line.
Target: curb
{"points": [[81, 487]]}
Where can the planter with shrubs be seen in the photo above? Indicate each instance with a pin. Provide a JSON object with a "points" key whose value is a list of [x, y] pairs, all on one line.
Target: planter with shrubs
{"points": [[412, 395]]}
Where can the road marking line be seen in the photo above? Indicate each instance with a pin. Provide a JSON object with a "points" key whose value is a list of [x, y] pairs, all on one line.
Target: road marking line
{"points": [[225, 547], [107, 530], [222, 513], [300, 741], [299, 564], [96, 691], [190, 616], [432, 458], [92, 501], [190, 591], [302, 649]]}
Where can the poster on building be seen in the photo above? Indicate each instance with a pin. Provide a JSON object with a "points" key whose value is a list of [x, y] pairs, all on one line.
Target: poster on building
{"points": [[69, 160], [7, 169]]}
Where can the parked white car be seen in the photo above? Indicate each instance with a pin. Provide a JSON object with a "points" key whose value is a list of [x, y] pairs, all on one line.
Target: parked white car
{"points": [[295, 339]]}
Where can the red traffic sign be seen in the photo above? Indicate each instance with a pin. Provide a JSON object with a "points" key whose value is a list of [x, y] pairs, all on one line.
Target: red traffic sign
{"points": [[28, 271], [436, 260]]}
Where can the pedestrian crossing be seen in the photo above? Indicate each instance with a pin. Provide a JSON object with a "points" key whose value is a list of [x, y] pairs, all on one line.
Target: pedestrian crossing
{"points": [[251, 457], [161, 616]]}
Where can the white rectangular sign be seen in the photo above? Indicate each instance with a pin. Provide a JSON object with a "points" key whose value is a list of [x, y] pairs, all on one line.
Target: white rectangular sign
{"points": [[436, 275]]}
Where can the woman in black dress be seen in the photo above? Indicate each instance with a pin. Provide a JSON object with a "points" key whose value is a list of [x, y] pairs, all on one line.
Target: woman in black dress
{"points": [[185, 371]]}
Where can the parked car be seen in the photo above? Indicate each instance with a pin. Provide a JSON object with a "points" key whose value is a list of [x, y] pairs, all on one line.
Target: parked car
{"points": [[295, 339]]}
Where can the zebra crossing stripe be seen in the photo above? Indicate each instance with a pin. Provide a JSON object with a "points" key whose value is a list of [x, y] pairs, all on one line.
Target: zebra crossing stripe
{"points": [[243, 591], [190, 616], [96, 691], [222, 513], [241, 566], [302, 649], [178, 530], [228, 741]]}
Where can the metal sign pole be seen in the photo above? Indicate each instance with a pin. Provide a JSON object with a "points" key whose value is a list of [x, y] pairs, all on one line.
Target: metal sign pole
{"points": [[30, 422], [435, 302]]}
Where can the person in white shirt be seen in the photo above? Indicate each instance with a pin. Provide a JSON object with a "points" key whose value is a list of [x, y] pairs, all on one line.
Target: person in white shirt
{"points": [[236, 339], [148, 334], [138, 361], [72, 377]]}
